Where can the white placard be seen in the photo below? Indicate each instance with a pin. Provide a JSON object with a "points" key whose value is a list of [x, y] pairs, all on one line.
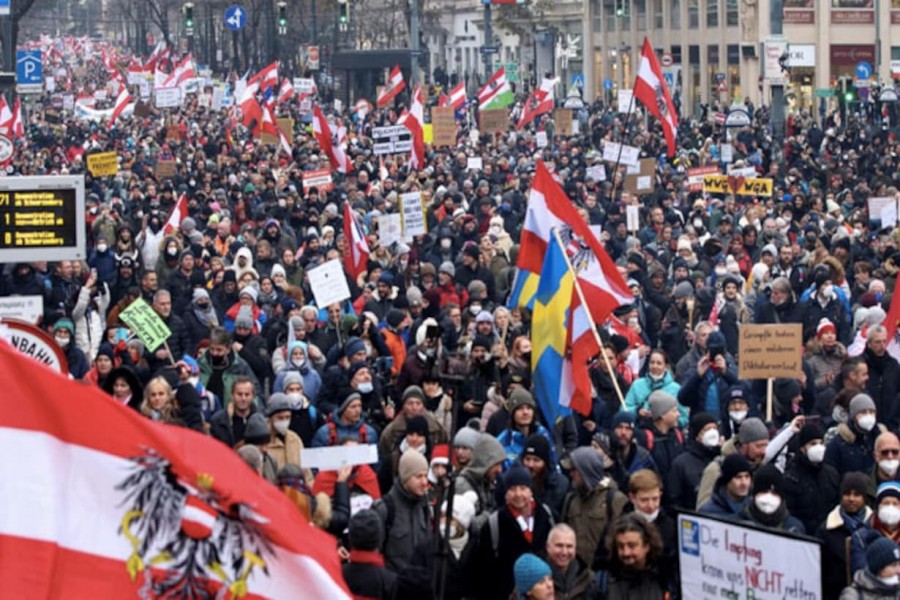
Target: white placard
{"points": [[304, 85], [576, 127], [889, 215], [624, 100], [541, 139], [135, 78], [632, 217], [597, 172], [217, 96], [413, 215], [338, 105], [24, 308], [645, 182], [727, 153], [474, 163], [168, 97], [748, 172], [773, 48], [50, 84], [332, 458], [630, 155], [144, 86], [877, 205], [204, 101], [100, 95], [68, 102], [390, 229], [240, 86], [720, 559], [328, 283]]}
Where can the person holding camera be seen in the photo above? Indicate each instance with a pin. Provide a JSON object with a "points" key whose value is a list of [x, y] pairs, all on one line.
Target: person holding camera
{"points": [[705, 388]]}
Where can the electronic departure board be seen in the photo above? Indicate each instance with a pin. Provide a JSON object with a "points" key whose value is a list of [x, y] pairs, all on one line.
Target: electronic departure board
{"points": [[42, 218]]}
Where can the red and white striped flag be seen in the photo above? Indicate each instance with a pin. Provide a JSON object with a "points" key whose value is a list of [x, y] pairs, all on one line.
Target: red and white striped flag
{"points": [[143, 511], [178, 214], [286, 91], [457, 96], [324, 136], [394, 86], [650, 89], [17, 126], [362, 108], [270, 126], [357, 254], [540, 102], [414, 121], [121, 102], [267, 76]]}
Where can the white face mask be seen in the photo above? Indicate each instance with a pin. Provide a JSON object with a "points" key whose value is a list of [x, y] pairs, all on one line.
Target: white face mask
{"points": [[889, 466], [710, 439], [889, 515], [839, 414], [102, 247], [61, 341], [866, 422], [737, 415], [828, 291], [475, 309], [649, 517], [194, 380], [816, 454], [281, 426], [365, 387], [890, 580], [296, 399], [446, 243], [767, 502]]}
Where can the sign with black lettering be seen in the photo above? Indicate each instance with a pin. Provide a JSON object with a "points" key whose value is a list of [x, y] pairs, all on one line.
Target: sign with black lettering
{"points": [[770, 351], [42, 218], [395, 139]]}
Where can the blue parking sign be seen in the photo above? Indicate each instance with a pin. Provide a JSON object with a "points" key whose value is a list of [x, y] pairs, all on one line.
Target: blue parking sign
{"points": [[29, 67]]}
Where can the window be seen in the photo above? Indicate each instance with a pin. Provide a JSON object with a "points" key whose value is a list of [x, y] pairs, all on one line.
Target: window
{"points": [[734, 70], [609, 11], [626, 14], [597, 25], [712, 67], [675, 15], [712, 13], [641, 7], [731, 13], [657, 14], [676, 54], [693, 14]]}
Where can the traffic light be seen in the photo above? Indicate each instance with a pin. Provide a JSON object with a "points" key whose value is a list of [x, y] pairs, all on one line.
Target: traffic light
{"points": [[282, 14], [620, 8], [189, 17], [344, 12]]}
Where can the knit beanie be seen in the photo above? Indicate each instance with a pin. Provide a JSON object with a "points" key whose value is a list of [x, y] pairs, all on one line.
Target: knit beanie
{"points": [[881, 553], [366, 530], [257, 430], [824, 326], [412, 391], [520, 397], [810, 432], [855, 481], [417, 424], [290, 378], [395, 317], [768, 478], [859, 403], [537, 445], [732, 466], [528, 571], [698, 422], [244, 318], [412, 463], [356, 368], [353, 346], [249, 291], [517, 475], [661, 402], [887, 489], [347, 401], [466, 437], [752, 430], [463, 508], [448, 268]]}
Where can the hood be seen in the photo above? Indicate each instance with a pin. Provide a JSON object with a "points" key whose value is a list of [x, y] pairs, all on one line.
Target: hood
{"points": [[661, 383], [589, 465], [865, 581], [246, 253], [486, 453]]}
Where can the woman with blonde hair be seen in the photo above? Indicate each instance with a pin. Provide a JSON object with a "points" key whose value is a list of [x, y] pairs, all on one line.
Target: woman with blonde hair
{"points": [[159, 402]]}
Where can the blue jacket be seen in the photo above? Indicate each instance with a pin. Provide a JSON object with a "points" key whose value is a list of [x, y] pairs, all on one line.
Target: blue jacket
{"points": [[513, 442], [312, 381], [721, 505], [851, 450], [323, 435], [641, 389], [693, 392]]}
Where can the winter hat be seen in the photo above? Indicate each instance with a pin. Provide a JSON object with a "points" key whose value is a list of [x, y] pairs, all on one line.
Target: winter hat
{"points": [[356, 368], [64, 324], [482, 341], [886, 489], [621, 417], [466, 437], [484, 317], [824, 326], [249, 290], [537, 445], [257, 430], [810, 432], [463, 508], [859, 403], [716, 340], [661, 402], [414, 296], [768, 478], [448, 268], [881, 553], [244, 319], [394, 318], [698, 422], [520, 397], [200, 294], [855, 481], [736, 392], [230, 275], [366, 530], [288, 304], [787, 389], [417, 424], [517, 475], [277, 269], [683, 290], [106, 350], [732, 466], [290, 378], [752, 430], [412, 391], [278, 402], [353, 346], [529, 570], [440, 454], [412, 463], [347, 401]]}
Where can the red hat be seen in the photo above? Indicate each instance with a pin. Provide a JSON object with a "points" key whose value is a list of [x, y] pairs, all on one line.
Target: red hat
{"points": [[440, 455], [824, 326]]}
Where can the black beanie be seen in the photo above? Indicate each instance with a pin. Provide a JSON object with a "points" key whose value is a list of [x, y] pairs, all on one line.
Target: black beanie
{"points": [[417, 424], [537, 445], [366, 532], [766, 478], [856, 481], [733, 465], [698, 422], [810, 432]]}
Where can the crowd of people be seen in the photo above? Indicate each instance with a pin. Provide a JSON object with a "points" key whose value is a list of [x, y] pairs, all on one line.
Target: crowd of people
{"points": [[474, 494]]}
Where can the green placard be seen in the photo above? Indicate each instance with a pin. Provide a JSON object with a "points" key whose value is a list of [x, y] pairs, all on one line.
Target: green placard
{"points": [[824, 93], [148, 325], [512, 72]]}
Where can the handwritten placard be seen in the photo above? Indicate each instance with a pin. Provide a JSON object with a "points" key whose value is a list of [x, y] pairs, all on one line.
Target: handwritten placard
{"points": [[328, 283], [770, 351]]}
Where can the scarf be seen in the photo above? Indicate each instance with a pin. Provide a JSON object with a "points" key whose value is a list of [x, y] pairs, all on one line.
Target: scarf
{"points": [[458, 544], [853, 522], [206, 316], [526, 524], [404, 446]]}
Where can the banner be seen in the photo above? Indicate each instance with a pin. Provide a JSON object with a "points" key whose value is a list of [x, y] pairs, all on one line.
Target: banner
{"points": [[390, 229], [328, 283], [146, 324], [413, 215], [695, 177], [724, 559], [319, 179], [739, 186], [766, 351], [103, 164], [394, 139]]}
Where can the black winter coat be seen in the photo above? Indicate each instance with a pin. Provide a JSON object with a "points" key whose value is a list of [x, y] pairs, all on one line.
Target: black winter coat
{"points": [[811, 491], [684, 476], [366, 578], [884, 387], [179, 343]]}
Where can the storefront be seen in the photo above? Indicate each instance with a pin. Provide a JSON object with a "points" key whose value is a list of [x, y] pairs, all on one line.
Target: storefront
{"points": [[845, 57], [802, 87]]}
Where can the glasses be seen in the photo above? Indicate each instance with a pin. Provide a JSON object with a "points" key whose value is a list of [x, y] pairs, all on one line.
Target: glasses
{"points": [[890, 452]]}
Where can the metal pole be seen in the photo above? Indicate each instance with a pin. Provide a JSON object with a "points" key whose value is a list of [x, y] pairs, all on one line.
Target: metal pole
{"points": [[877, 43], [488, 39], [776, 16], [414, 34]]}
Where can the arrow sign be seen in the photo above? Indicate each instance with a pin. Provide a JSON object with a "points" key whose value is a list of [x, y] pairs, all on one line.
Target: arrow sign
{"points": [[235, 17]]}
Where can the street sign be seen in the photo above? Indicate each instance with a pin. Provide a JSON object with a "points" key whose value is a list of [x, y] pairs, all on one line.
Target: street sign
{"points": [[863, 70], [512, 72], [824, 93], [490, 49], [235, 17], [720, 77], [578, 79], [607, 84], [888, 95], [666, 59], [29, 67], [4, 7]]}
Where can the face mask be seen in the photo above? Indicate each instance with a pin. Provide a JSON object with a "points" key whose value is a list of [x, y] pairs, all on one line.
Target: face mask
{"points": [[172, 251], [194, 380], [403, 264], [839, 414], [281, 426], [296, 399], [721, 271], [446, 243], [816, 454], [62, 342], [475, 309], [767, 502], [890, 581], [430, 352], [102, 248], [866, 422], [710, 439], [828, 291], [889, 515], [649, 517], [738, 415], [889, 466], [365, 387]]}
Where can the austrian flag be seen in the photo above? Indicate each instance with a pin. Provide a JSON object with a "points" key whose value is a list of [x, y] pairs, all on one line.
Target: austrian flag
{"points": [[394, 86], [650, 89]]}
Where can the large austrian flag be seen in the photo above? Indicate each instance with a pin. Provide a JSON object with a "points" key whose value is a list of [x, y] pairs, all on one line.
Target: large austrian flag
{"points": [[650, 89], [100, 502]]}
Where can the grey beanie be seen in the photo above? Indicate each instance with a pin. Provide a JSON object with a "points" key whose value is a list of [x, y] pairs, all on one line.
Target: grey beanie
{"points": [[466, 437], [752, 430], [347, 401], [244, 318], [257, 430], [859, 403], [661, 402], [683, 290], [278, 402], [448, 268], [290, 378]]}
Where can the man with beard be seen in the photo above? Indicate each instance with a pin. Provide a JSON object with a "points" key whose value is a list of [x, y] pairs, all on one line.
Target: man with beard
{"points": [[549, 485], [220, 366], [636, 550], [780, 307]]}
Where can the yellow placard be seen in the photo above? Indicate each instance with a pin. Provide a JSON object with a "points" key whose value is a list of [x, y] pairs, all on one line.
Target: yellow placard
{"points": [[428, 133], [739, 186], [103, 164]]}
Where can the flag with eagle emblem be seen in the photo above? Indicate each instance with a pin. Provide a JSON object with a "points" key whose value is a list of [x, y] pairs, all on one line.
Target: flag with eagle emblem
{"points": [[650, 89], [101, 502]]}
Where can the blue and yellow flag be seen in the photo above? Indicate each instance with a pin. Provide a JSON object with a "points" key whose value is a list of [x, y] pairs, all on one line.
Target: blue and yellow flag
{"points": [[551, 370], [524, 289]]}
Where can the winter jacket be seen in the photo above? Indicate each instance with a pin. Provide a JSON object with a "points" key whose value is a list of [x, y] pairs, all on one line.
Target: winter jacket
{"points": [[810, 491], [626, 584], [460, 582], [640, 391], [781, 519], [367, 577], [824, 362], [576, 583], [852, 449], [513, 442], [813, 312], [179, 343], [235, 367], [693, 393], [884, 387], [486, 453], [684, 476], [407, 524], [867, 587], [396, 431], [220, 425], [589, 513], [664, 448], [90, 321], [285, 450], [551, 491], [312, 381], [836, 534], [722, 505], [360, 431]]}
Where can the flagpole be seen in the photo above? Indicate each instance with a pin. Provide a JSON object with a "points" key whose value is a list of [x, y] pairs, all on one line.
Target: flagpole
{"points": [[590, 318], [622, 144]]}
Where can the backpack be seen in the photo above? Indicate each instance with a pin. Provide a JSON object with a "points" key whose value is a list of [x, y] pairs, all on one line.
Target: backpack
{"points": [[649, 438], [333, 433], [610, 496], [494, 525]]}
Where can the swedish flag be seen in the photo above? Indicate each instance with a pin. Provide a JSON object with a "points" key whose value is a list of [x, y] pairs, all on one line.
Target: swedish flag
{"points": [[551, 370], [524, 289]]}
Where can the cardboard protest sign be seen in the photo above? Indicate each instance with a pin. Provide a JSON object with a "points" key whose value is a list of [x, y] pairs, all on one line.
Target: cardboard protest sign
{"points": [[103, 164], [165, 169], [563, 119], [173, 133], [285, 126], [644, 180], [493, 121], [413, 215], [443, 121], [328, 283], [770, 351], [146, 324]]}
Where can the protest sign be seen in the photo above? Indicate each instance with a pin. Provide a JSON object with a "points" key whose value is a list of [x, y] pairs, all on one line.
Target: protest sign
{"points": [[632, 217], [68, 102], [770, 351], [428, 133], [393, 139], [739, 186], [285, 126], [146, 324], [615, 152], [304, 85], [727, 153], [725, 559], [165, 169], [742, 171], [173, 133], [25, 308], [328, 283], [168, 97], [644, 180], [390, 229], [624, 100], [474, 163], [319, 179], [443, 121], [217, 96], [493, 121], [596, 172], [695, 177], [540, 139], [563, 119], [103, 164], [413, 215], [882, 209], [334, 457]]}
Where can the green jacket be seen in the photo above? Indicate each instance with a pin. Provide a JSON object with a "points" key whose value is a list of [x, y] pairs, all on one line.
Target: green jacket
{"points": [[236, 367]]}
